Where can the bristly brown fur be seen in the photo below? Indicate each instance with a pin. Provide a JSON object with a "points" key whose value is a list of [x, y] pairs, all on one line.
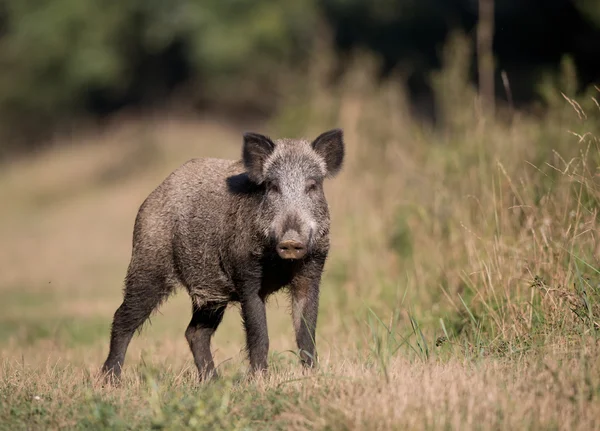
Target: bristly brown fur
{"points": [[213, 226]]}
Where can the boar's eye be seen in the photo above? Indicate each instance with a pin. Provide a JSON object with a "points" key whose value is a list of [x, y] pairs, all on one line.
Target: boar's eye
{"points": [[273, 187], [311, 186]]}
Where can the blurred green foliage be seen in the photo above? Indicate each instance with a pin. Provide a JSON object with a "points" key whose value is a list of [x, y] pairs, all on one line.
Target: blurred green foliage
{"points": [[590, 9], [60, 59]]}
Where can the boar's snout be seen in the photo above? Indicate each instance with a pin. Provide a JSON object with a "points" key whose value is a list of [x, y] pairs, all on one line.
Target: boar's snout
{"points": [[291, 249], [291, 246]]}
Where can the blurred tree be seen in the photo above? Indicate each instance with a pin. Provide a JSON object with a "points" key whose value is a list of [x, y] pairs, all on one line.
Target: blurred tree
{"points": [[590, 10], [241, 47], [59, 57], [62, 58], [51, 51], [485, 54]]}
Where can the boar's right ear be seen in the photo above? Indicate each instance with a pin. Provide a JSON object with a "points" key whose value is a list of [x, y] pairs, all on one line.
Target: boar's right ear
{"points": [[330, 146], [257, 149]]}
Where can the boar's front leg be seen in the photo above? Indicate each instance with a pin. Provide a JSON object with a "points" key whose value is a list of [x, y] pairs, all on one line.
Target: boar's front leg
{"points": [[254, 315], [305, 307]]}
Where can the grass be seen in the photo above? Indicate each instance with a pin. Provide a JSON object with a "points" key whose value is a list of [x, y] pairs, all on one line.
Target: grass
{"points": [[521, 393], [462, 290]]}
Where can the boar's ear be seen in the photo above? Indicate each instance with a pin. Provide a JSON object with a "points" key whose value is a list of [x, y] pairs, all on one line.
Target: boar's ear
{"points": [[257, 149], [330, 146]]}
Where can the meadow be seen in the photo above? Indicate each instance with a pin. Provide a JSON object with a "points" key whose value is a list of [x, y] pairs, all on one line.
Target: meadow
{"points": [[462, 289]]}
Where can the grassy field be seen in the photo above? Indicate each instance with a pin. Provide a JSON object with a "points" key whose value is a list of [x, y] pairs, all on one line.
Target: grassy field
{"points": [[462, 290]]}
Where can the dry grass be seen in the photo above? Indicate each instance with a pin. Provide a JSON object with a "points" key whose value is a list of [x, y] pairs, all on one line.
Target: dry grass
{"points": [[555, 391], [462, 290]]}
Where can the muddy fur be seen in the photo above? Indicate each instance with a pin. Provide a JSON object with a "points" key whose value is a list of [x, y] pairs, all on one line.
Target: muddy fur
{"points": [[213, 226]]}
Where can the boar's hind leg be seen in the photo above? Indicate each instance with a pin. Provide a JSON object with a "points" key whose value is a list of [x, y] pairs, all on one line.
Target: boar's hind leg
{"points": [[143, 294], [203, 325]]}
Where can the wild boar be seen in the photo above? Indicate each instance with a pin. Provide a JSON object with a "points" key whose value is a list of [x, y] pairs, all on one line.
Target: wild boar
{"points": [[233, 232]]}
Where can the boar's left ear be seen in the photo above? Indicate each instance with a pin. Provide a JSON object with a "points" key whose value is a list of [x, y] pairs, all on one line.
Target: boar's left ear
{"points": [[256, 151], [330, 146]]}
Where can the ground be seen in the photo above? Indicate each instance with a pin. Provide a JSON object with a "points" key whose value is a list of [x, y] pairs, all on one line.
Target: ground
{"points": [[444, 303]]}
